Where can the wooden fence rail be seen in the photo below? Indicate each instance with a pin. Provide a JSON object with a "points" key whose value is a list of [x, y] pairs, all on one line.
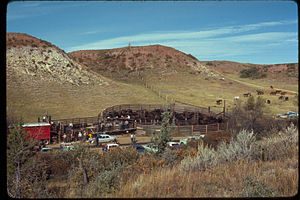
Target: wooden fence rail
{"points": [[188, 130]]}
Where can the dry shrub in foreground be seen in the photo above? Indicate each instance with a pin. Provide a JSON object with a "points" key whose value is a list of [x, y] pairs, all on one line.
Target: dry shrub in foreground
{"points": [[236, 179], [233, 170]]}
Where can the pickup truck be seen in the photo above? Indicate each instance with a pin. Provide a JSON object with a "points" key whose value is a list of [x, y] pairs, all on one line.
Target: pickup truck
{"points": [[185, 140]]}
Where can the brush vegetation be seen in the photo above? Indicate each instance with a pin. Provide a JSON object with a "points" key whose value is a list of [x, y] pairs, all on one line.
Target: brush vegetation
{"points": [[242, 167]]}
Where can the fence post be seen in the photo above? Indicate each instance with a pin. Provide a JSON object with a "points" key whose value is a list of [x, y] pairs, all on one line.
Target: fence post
{"points": [[218, 127], [205, 129], [192, 129]]}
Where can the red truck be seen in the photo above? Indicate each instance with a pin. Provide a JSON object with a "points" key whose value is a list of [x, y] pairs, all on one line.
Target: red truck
{"points": [[38, 131]]}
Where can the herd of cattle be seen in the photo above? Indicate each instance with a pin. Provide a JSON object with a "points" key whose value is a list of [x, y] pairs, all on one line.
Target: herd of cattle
{"points": [[151, 116], [260, 92]]}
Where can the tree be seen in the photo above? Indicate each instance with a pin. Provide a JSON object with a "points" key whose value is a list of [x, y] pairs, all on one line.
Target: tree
{"points": [[19, 151], [247, 115], [164, 136]]}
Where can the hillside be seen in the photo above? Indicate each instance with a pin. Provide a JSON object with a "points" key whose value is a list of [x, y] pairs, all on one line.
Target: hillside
{"points": [[40, 77], [284, 75], [134, 61]]}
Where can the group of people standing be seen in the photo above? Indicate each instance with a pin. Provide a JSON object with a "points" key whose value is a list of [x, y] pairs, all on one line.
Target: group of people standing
{"points": [[109, 124], [72, 136]]}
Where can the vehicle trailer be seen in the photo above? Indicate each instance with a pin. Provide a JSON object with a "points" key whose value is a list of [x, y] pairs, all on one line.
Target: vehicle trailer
{"points": [[38, 131]]}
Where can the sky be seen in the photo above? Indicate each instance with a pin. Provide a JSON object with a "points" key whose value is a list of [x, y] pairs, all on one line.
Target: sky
{"points": [[258, 32]]}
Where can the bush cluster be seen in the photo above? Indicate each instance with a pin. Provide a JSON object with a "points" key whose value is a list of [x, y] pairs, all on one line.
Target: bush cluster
{"points": [[244, 147], [252, 73]]}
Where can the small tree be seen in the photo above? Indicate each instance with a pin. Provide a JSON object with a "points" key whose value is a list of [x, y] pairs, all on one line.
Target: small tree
{"points": [[19, 151], [164, 136], [247, 115]]}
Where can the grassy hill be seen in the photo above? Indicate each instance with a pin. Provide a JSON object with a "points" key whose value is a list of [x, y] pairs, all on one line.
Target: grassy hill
{"points": [[41, 77]]}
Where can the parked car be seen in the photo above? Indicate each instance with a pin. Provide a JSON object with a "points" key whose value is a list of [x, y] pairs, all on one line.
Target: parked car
{"points": [[112, 146], [289, 114], [139, 148], [150, 147], [46, 149], [68, 148], [104, 138], [185, 140], [174, 145]]}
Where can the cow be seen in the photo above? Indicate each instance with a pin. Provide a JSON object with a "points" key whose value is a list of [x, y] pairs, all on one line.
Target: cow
{"points": [[236, 98], [283, 93], [219, 102], [286, 98], [268, 101], [271, 87], [259, 92], [278, 91], [247, 94], [273, 93], [281, 97]]}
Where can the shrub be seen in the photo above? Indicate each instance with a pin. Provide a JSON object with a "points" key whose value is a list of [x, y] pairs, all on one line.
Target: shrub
{"points": [[252, 73], [279, 146], [243, 147], [206, 157], [254, 188]]}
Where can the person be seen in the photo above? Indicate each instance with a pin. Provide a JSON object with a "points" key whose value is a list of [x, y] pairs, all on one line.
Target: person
{"points": [[84, 135], [126, 124], [105, 147], [79, 135], [60, 147], [131, 137], [90, 137], [65, 137], [97, 139], [72, 134]]}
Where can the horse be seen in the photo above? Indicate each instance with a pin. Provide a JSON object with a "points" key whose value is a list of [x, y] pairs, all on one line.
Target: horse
{"points": [[259, 92], [273, 93], [247, 94], [219, 102]]}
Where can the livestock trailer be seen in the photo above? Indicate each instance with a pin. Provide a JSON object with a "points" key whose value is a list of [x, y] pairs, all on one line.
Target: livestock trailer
{"points": [[38, 131]]}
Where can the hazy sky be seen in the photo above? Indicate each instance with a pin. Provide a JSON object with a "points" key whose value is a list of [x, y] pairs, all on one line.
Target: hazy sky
{"points": [[260, 32]]}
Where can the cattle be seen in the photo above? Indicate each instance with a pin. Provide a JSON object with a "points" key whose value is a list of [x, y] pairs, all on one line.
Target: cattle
{"points": [[271, 87], [286, 98], [281, 97], [259, 92], [273, 93], [278, 91], [268, 101], [283, 93], [219, 102], [247, 94], [236, 98]]}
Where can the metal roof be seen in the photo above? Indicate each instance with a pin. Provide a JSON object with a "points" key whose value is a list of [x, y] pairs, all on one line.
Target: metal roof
{"points": [[36, 124]]}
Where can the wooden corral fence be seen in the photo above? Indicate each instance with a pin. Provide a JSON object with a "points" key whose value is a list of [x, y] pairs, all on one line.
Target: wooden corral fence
{"points": [[134, 107], [184, 107], [85, 120], [188, 130]]}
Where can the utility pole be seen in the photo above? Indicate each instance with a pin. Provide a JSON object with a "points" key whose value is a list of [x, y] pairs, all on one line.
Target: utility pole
{"points": [[224, 108]]}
